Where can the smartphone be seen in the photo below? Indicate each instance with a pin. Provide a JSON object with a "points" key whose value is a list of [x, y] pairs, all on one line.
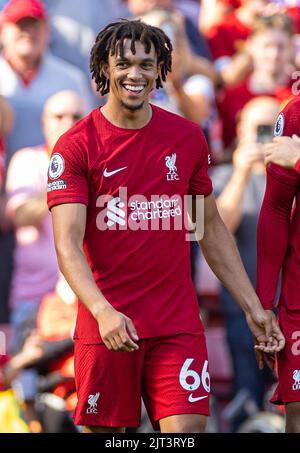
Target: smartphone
{"points": [[265, 133]]}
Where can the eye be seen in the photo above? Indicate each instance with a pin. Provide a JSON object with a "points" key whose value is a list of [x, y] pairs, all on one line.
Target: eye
{"points": [[122, 65], [147, 65]]}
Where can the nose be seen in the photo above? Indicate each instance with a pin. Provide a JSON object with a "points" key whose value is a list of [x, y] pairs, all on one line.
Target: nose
{"points": [[134, 72]]}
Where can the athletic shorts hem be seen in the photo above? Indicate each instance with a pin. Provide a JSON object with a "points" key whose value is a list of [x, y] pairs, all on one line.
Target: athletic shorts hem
{"points": [[81, 421], [183, 411]]}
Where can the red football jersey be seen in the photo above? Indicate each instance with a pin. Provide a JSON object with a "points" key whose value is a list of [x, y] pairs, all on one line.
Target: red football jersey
{"points": [[278, 234], [129, 178]]}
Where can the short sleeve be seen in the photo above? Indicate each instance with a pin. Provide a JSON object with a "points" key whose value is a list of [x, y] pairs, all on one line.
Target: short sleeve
{"points": [[67, 173], [200, 182], [288, 121]]}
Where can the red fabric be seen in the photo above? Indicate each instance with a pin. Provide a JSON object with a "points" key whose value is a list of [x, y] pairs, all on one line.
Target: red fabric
{"points": [[232, 100], [278, 236], [228, 37], [156, 371], [145, 274], [297, 166], [233, 3], [294, 13], [15, 10], [4, 359], [288, 360]]}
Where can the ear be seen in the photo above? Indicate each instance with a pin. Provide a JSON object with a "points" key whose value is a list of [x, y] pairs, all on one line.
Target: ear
{"points": [[104, 69]]}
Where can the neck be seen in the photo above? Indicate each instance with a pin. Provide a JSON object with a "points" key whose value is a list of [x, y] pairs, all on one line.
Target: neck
{"points": [[23, 65], [123, 117], [262, 82]]}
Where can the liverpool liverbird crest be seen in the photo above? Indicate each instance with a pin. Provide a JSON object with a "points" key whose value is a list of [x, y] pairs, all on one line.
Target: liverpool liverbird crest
{"points": [[171, 165]]}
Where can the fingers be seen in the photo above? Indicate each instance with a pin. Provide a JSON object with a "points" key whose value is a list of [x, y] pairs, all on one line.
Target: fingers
{"points": [[131, 329], [259, 359], [269, 360], [118, 340]]}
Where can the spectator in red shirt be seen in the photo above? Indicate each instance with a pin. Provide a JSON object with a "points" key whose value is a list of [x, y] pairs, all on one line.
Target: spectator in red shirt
{"points": [[270, 47], [228, 37]]}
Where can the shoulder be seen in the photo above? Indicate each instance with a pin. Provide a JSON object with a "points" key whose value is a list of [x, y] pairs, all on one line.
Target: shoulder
{"points": [[288, 120], [183, 126]]}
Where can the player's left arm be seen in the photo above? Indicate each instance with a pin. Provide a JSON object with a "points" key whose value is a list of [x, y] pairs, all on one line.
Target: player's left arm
{"points": [[221, 254]]}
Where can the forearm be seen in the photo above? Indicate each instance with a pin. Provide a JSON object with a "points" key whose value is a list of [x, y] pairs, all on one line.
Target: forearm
{"points": [[13, 367], [54, 350], [188, 107], [237, 70], [32, 212], [272, 237], [200, 65], [221, 254], [73, 263], [230, 200]]}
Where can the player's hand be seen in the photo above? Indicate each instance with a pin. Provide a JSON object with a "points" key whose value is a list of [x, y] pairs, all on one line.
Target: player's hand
{"points": [[267, 333], [284, 151], [263, 357], [117, 330]]}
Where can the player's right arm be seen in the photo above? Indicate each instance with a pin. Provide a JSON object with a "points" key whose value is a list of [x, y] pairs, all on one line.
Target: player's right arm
{"points": [[284, 151], [116, 329]]}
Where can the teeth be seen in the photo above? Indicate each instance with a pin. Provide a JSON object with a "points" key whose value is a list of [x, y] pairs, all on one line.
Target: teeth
{"points": [[134, 88]]}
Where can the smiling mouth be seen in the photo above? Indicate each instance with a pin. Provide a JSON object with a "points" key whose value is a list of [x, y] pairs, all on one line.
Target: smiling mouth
{"points": [[135, 89]]}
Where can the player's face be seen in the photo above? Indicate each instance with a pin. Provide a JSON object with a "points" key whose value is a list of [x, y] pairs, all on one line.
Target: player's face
{"points": [[132, 77]]}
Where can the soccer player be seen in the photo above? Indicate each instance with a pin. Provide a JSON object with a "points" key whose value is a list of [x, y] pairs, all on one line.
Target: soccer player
{"points": [[279, 250], [116, 185], [284, 151]]}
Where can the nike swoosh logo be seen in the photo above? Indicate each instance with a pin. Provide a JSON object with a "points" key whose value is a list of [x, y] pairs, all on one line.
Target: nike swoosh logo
{"points": [[110, 173], [193, 400]]}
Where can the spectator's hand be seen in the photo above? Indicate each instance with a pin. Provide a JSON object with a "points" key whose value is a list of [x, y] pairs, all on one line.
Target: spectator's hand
{"points": [[117, 330], [284, 151], [247, 154], [176, 77], [267, 333], [32, 350], [273, 9]]}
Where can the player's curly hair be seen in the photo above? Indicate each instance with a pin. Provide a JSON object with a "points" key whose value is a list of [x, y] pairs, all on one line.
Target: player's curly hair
{"points": [[111, 41]]}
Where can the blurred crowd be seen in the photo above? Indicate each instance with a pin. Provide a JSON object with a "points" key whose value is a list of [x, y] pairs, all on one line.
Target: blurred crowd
{"points": [[235, 65]]}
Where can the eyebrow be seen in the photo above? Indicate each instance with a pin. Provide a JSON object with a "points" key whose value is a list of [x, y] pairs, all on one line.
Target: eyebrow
{"points": [[144, 60]]}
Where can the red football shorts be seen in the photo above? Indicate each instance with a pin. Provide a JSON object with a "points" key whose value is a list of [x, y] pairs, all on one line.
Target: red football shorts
{"points": [[288, 360], [169, 373]]}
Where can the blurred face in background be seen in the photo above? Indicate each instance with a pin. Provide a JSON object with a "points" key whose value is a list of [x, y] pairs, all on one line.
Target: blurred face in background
{"points": [[259, 111], [271, 51], [61, 112], [26, 39], [138, 7]]}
